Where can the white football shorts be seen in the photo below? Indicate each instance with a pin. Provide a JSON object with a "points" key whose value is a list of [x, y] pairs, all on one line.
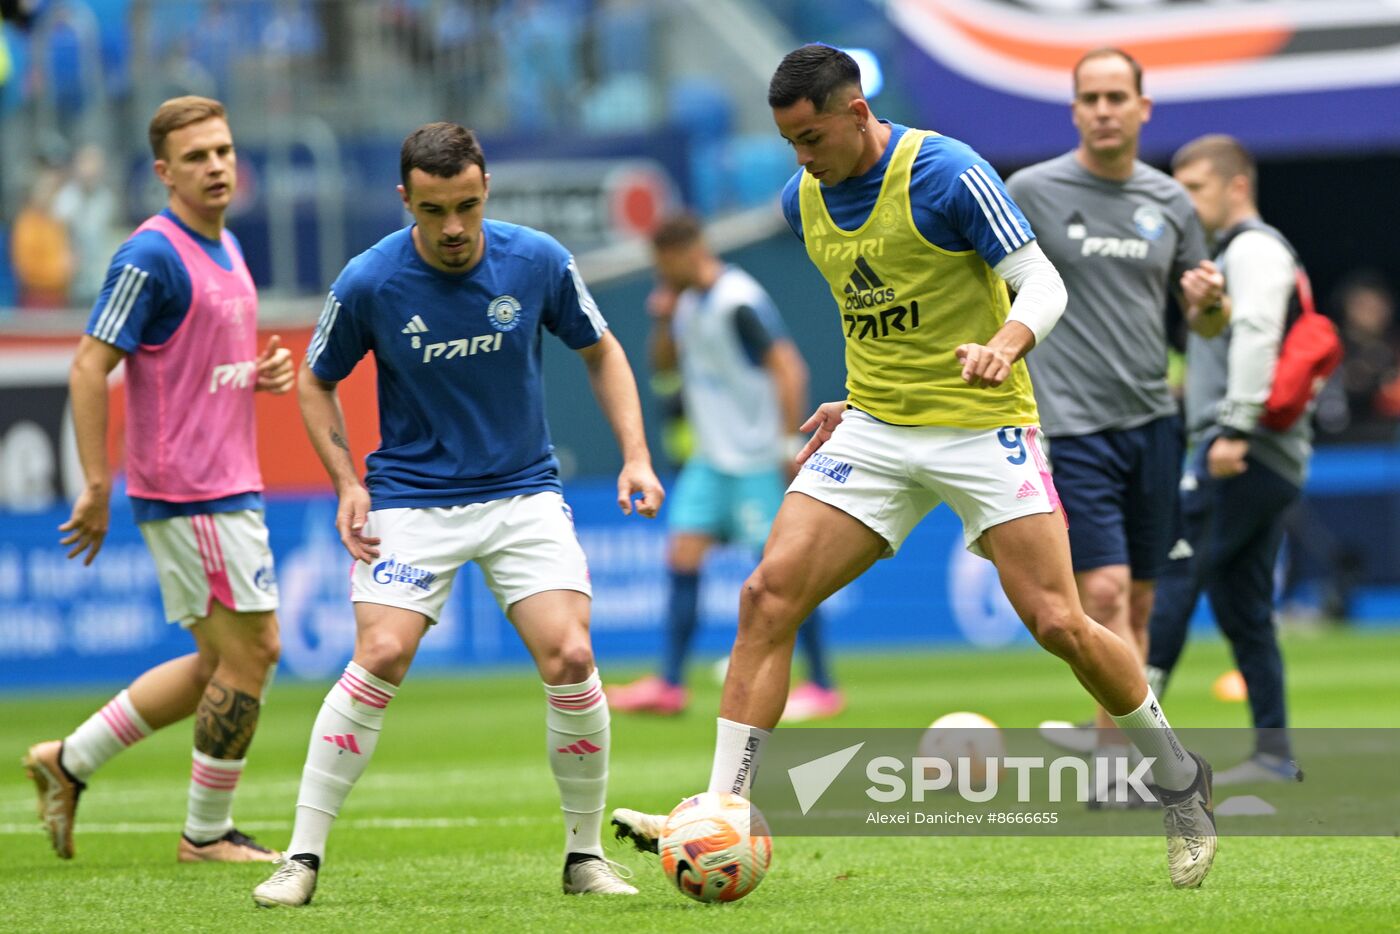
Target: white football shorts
{"points": [[891, 476], [524, 545], [221, 556]]}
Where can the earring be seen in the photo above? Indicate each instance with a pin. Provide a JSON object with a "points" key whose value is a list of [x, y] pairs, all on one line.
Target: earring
{"points": [[862, 127]]}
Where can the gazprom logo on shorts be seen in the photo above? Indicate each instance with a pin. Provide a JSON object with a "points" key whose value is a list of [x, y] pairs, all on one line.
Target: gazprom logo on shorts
{"points": [[503, 312], [830, 466], [265, 579], [393, 571]]}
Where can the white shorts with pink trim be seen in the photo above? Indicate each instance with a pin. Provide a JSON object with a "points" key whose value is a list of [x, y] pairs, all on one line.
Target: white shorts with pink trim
{"points": [[524, 545], [214, 557], [890, 476]]}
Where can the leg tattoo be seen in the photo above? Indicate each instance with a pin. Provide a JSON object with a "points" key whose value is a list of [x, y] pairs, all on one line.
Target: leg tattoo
{"points": [[225, 721]]}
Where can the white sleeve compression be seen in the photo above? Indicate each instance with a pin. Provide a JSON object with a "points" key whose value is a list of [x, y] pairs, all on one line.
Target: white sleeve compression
{"points": [[1040, 293]]}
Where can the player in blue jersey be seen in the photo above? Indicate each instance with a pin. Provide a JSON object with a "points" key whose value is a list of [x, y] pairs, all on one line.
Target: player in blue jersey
{"points": [[180, 309], [918, 240], [455, 308], [745, 390]]}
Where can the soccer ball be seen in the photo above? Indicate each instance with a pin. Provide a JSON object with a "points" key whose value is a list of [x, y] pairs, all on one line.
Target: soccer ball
{"points": [[715, 847], [964, 735]]}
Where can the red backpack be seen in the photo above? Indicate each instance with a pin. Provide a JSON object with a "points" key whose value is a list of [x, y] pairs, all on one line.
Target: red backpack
{"points": [[1311, 349], [1310, 352]]}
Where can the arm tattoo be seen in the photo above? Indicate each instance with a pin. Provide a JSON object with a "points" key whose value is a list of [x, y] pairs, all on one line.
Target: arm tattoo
{"points": [[339, 441], [224, 721]]}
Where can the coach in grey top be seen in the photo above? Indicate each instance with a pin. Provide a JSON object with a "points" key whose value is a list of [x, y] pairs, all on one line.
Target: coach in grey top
{"points": [[1123, 236], [1241, 477], [1119, 246]]}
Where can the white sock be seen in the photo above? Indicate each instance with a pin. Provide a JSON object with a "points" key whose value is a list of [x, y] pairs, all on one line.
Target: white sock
{"points": [[737, 751], [342, 740], [210, 812], [1148, 728], [103, 735], [577, 731]]}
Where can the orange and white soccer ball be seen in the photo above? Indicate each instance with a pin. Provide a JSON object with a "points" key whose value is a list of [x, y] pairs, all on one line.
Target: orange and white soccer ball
{"points": [[965, 738], [715, 847]]}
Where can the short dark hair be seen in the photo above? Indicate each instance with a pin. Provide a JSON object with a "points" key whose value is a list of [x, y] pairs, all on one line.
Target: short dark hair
{"points": [[813, 72], [678, 230], [440, 149], [178, 113], [1108, 51], [1226, 155]]}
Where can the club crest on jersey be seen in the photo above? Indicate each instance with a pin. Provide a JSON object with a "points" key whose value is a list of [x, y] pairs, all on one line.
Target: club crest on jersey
{"points": [[887, 215], [503, 312], [1149, 221]]}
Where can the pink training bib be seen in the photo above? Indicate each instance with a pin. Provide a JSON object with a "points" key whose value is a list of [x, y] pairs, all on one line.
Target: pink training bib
{"points": [[189, 433]]}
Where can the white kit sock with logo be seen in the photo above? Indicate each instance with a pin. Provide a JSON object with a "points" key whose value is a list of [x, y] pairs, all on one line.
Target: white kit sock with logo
{"points": [[1147, 727], [343, 739], [579, 736], [738, 748]]}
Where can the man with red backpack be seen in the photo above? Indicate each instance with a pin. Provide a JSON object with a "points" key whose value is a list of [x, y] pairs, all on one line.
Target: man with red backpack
{"points": [[1248, 392]]}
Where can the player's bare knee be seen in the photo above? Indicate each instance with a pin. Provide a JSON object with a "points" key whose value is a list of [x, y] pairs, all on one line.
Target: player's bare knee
{"points": [[1104, 594], [385, 654], [571, 664], [767, 610]]}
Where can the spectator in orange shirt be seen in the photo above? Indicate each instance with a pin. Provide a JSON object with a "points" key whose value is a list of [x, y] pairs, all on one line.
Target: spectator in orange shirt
{"points": [[39, 247]]}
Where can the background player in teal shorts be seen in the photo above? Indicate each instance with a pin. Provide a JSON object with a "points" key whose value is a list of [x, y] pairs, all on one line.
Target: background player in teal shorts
{"points": [[744, 385]]}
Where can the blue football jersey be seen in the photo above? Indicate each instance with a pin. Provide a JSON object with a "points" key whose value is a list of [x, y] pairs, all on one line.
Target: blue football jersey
{"points": [[461, 390], [959, 201]]}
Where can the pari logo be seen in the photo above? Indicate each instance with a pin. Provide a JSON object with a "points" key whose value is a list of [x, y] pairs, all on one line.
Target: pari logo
{"points": [[232, 375], [393, 571]]}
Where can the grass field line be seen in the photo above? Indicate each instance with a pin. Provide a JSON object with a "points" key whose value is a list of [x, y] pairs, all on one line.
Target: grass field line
{"points": [[371, 789], [364, 823]]}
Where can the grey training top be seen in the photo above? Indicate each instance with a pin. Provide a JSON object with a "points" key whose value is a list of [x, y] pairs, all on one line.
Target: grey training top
{"points": [[1228, 378], [1120, 247]]}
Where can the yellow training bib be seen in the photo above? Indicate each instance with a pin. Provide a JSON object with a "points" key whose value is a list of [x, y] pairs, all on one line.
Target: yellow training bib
{"points": [[906, 305]]}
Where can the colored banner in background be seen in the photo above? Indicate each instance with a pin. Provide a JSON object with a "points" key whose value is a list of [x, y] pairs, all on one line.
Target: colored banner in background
{"points": [[38, 459], [1285, 76]]}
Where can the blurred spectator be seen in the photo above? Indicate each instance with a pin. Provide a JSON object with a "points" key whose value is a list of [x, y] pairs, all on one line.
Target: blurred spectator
{"points": [[88, 207], [39, 246], [1362, 402], [541, 40]]}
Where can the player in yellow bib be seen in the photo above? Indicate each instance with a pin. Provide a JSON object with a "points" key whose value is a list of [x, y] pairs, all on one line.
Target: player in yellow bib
{"points": [[918, 240]]}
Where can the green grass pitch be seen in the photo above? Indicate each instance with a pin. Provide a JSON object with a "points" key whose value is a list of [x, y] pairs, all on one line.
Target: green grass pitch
{"points": [[455, 825]]}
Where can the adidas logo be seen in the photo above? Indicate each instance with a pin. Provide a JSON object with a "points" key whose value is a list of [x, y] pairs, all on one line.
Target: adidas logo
{"points": [[415, 325], [345, 741], [1027, 490], [1181, 550], [581, 748], [1075, 228], [865, 289]]}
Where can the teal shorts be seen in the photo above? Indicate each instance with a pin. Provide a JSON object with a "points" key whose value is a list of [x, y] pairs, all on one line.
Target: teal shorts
{"points": [[733, 508]]}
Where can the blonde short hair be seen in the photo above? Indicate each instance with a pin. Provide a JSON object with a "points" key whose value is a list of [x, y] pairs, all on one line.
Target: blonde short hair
{"points": [[180, 112]]}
